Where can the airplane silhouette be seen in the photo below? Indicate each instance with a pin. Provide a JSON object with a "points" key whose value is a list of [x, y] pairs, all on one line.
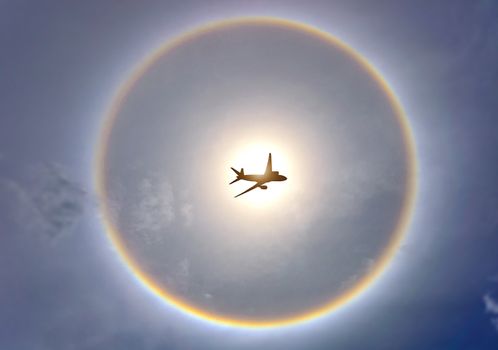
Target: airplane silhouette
{"points": [[260, 180]]}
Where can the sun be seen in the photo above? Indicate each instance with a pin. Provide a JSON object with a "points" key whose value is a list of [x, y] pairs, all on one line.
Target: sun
{"points": [[252, 158]]}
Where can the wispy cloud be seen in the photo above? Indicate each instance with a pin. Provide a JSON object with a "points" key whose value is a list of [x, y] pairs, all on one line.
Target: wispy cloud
{"points": [[187, 211], [494, 322], [155, 209], [159, 207], [490, 304], [52, 204], [59, 200]]}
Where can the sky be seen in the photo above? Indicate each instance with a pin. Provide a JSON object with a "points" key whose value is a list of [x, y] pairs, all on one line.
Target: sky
{"points": [[64, 282]]}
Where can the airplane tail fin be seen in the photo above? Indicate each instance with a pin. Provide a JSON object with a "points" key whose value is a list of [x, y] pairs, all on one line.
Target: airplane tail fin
{"points": [[268, 165], [239, 174]]}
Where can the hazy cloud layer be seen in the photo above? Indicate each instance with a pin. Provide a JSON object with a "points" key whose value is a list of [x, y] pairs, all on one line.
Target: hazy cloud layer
{"points": [[440, 58]]}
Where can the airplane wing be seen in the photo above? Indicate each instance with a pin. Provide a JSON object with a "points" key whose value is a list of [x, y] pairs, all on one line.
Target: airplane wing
{"points": [[250, 189], [268, 165], [237, 179]]}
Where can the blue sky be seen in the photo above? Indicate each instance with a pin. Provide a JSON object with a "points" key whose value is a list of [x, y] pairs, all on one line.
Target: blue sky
{"points": [[63, 286]]}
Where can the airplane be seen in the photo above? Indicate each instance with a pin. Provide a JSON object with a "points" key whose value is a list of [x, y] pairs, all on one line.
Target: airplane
{"points": [[260, 180]]}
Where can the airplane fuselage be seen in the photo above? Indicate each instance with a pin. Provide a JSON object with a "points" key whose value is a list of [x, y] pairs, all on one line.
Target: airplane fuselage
{"points": [[263, 178]]}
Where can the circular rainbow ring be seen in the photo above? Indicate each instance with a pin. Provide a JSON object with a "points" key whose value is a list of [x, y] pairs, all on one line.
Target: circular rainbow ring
{"points": [[381, 263]]}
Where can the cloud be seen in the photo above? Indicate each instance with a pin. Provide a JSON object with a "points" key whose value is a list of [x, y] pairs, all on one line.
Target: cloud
{"points": [[158, 206], [155, 209], [51, 204], [59, 200], [180, 276], [490, 304], [21, 209], [187, 211], [494, 322]]}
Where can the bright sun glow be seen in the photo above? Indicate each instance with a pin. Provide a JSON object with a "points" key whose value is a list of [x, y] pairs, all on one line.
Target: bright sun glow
{"points": [[253, 158]]}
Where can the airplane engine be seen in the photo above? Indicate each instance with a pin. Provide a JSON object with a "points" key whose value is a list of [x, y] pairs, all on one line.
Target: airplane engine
{"points": [[264, 187]]}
